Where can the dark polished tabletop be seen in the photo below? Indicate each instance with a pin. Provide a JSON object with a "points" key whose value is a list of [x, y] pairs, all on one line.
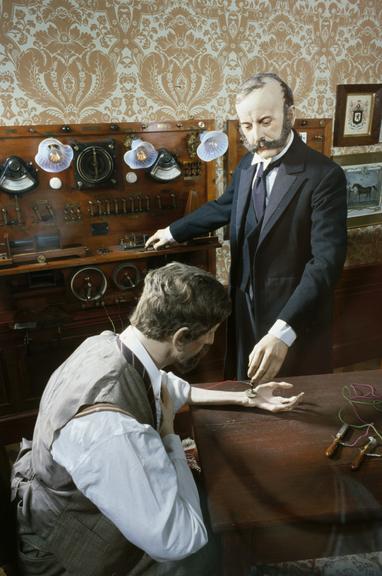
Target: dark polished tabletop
{"points": [[270, 485]]}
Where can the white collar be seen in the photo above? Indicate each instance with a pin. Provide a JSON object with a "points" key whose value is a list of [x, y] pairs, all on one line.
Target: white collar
{"points": [[130, 337], [257, 158]]}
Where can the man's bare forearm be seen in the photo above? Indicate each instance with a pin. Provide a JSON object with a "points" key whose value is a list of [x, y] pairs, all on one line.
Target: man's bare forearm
{"points": [[261, 397], [203, 396]]}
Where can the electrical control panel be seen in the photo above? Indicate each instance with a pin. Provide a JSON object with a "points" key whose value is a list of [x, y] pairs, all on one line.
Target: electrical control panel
{"points": [[74, 218]]}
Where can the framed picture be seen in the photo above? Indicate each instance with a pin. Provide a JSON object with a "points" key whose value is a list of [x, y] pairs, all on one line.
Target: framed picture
{"points": [[364, 187], [358, 114]]}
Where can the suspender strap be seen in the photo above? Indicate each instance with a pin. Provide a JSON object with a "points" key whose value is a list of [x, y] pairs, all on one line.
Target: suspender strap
{"points": [[134, 361], [101, 407]]}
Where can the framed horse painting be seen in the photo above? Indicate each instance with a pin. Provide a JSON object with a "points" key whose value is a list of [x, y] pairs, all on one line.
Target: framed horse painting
{"points": [[364, 187], [364, 193]]}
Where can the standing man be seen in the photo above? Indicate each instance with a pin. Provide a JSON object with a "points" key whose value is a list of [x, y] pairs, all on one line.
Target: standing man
{"points": [[286, 205], [104, 489]]}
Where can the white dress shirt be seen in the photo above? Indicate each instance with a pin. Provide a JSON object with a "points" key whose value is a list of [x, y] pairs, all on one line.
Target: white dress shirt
{"points": [[138, 480], [271, 176], [280, 328]]}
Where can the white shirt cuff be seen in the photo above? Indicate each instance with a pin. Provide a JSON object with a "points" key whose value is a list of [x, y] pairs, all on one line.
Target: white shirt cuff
{"points": [[283, 331], [167, 235]]}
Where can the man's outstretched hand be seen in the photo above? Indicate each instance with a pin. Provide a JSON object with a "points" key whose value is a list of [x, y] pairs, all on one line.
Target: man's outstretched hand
{"points": [[265, 399]]}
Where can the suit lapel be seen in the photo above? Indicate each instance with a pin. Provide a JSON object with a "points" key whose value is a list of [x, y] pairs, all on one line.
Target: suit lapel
{"points": [[245, 185]]}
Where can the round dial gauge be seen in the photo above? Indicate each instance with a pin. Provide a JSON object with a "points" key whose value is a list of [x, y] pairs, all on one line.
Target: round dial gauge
{"points": [[17, 177], [94, 165], [126, 276], [88, 284]]}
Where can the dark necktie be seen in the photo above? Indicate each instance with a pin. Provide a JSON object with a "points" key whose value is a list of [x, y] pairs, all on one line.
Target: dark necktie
{"points": [[259, 189], [134, 361], [259, 192]]}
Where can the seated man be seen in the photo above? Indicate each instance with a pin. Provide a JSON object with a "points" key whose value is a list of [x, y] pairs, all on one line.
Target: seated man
{"points": [[104, 489]]}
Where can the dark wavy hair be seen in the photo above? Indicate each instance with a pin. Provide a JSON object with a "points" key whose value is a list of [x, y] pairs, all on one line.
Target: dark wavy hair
{"points": [[178, 295]]}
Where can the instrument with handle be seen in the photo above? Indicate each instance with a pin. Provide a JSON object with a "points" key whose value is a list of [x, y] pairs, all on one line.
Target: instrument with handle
{"points": [[329, 452], [371, 443]]}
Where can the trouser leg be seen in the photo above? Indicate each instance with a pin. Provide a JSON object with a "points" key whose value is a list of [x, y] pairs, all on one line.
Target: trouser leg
{"points": [[244, 333]]}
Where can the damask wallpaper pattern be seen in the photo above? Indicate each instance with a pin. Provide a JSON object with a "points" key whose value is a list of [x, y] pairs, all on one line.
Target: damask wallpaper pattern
{"points": [[138, 60], [85, 61], [106, 61]]}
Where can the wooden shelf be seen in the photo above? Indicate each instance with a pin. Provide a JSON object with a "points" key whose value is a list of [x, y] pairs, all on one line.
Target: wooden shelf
{"points": [[114, 255]]}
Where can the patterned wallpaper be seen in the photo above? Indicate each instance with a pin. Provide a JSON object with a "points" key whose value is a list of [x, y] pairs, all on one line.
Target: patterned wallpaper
{"points": [[128, 60], [106, 61]]}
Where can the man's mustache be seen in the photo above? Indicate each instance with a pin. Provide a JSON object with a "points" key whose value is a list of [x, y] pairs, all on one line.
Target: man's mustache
{"points": [[263, 144]]}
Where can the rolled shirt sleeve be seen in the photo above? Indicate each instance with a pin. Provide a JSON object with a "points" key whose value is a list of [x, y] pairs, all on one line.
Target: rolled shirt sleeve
{"points": [[178, 388]]}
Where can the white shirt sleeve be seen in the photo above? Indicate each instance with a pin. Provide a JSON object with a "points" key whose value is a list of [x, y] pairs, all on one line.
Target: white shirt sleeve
{"points": [[143, 485], [178, 389]]}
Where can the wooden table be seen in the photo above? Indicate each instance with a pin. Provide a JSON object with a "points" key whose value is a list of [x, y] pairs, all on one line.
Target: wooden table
{"points": [[272, 493]]}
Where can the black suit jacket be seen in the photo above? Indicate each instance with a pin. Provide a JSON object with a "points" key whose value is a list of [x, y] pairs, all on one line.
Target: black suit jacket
{"points": [[299, 254]]}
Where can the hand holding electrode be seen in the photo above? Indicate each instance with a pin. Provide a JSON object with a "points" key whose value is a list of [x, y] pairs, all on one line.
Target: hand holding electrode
{"points": [[266, 358], [261, 396]]}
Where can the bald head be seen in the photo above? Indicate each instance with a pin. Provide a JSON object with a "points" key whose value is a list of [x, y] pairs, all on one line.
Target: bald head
{"points": [[259, 81]]}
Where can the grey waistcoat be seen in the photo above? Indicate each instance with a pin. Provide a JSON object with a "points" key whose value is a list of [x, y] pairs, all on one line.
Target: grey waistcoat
{"points": [[53, 516]]}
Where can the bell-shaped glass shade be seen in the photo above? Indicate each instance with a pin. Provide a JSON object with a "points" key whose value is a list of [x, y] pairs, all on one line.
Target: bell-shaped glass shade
{"points": [[212, 145], [53, 156], [142, 154]]}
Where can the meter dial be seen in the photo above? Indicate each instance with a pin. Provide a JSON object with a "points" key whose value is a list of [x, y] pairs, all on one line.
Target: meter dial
{"points": [[17, 177], [94, 164], [126, 276], [88, 284]]}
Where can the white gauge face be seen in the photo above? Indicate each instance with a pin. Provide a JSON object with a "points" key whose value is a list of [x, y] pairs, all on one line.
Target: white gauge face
{"points": [[131, 177], [20, 185], [55, 183], [17, 177]]}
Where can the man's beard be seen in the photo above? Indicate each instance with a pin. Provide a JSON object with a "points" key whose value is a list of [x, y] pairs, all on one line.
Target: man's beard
{"points": [[279, 143], [184, 366]]}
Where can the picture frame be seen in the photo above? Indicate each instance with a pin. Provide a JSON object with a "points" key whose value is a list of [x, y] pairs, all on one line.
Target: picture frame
{"points": [[364, 188], [358, 114]]}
